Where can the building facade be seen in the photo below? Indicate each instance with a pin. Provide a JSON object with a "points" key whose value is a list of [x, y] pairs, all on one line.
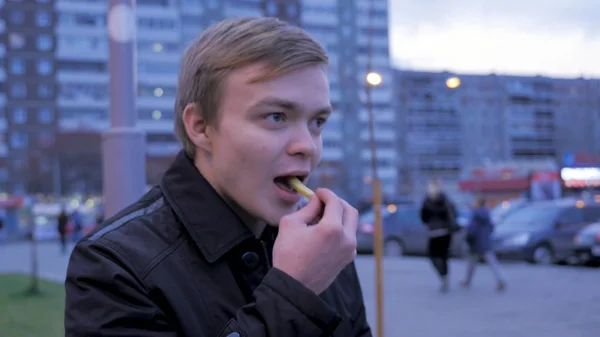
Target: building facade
{"points": [[28, 96], [488, 119], [78, 57]]}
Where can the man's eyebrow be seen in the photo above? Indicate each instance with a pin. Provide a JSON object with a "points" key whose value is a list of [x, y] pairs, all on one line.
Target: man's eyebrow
{"points": [[289, 105]]}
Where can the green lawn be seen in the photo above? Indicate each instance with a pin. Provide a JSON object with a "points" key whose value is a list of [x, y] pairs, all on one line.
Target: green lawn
{"points": [[25, 315]]}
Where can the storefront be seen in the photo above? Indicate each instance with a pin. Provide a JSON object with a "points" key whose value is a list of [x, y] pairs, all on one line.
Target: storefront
{"points": [[579, 173], [533, 180]]}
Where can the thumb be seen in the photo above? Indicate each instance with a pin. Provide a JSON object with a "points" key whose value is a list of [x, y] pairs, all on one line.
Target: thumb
{"points": [[310, 212]]}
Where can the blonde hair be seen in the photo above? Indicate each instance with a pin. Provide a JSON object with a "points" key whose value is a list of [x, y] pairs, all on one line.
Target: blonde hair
{"points": [[232, 44]]}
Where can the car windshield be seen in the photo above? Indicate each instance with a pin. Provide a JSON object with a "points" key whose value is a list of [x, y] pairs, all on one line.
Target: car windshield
{"points": [[504, 209], [532, 217]]}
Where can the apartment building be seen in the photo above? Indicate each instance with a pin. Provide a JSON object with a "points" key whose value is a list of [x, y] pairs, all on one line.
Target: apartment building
{"points": [[76, 63], [449, 121]]}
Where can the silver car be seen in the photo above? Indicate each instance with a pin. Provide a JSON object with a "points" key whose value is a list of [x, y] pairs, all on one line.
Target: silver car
{"points": [[403, 233]]}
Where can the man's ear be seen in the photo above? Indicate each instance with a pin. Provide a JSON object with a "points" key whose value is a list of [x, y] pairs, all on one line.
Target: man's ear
{"points": [[195, 127]]}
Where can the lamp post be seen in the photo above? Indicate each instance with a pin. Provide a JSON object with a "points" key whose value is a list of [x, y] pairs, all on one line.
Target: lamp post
{"points": [[374, 79], [123, 145]]}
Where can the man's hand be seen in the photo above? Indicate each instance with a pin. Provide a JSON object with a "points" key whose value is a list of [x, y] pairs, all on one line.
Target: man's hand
{"points": [[315, 255]]}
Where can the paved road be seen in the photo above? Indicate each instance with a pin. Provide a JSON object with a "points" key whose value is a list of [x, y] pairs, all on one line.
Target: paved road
{"points": [[539, 301]]}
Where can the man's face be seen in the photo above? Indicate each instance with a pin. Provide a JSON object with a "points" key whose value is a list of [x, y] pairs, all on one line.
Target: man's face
{"points": [[267, 131]]}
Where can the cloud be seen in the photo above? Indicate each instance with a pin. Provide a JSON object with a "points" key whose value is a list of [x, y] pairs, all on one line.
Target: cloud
{"points": [[550, 37]]}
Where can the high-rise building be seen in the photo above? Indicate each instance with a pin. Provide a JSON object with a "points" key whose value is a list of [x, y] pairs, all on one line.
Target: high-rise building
{"points": [[487, 119], [27, 96], [77, 56]]}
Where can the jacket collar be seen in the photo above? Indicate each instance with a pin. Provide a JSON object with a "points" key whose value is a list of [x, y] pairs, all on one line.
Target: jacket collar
{"points": [[212, 223]]}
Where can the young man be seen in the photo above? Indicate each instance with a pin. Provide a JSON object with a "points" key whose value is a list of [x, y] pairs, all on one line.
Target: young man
{"points": [[220, 247]]}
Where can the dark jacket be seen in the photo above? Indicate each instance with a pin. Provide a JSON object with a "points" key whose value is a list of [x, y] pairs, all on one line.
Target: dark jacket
{"points": [[479, 231], [63, 221], [179, 262], [439, 214]]}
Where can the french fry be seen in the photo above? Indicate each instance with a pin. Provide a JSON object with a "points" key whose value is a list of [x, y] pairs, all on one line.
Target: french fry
{"points": [[301, 188]]}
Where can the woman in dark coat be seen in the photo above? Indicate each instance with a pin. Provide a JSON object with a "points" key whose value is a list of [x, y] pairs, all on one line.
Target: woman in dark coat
{"points": [[479, 233], [439, 214]]}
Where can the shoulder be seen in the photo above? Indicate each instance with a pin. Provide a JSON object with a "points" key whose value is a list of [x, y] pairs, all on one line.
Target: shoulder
{"points": [[135, 236]]}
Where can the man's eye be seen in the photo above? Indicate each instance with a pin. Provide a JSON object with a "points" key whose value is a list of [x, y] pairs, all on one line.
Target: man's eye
{"points": [[276, 116], [321, 122]]}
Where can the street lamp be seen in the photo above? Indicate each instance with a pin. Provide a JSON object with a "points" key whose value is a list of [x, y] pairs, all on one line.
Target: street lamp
{"points": [[374, 79], [453, 82]]}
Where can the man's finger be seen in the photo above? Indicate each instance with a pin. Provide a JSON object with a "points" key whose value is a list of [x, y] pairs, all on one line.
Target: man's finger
{"points": [[310, 211], [350, 220], [334, 211]]}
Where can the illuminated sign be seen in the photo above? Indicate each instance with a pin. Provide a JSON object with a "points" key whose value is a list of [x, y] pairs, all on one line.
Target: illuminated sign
{"points": [[580, 176]]}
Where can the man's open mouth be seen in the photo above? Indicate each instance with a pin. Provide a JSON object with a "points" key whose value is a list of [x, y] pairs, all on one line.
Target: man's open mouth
{"points": [[283, 182]]}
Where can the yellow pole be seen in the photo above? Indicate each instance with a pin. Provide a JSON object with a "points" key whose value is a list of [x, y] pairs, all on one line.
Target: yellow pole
{"points": [[378, 245], [374, 79]]}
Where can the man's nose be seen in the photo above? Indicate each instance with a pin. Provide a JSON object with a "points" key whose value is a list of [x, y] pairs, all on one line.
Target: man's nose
{"points": [[303, 143]]}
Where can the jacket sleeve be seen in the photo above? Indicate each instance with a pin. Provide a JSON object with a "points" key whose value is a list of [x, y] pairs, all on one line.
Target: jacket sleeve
{"points": [[283, 307], [362, 328], [104, 298]]}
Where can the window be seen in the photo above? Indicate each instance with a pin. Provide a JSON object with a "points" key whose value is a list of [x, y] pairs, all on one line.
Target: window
{"points": [[44, 42], [17, 66], [97, 67], [44, 67], [42, 19], [82, 19], [18, 140], [291, 9], [271, 8], [591, 214], [156, 23], [570, 216], [18, 90], [19, 115], [45, 90], [152, 91], [84, 91], [45, 115], [17, 17], [16, 40]]}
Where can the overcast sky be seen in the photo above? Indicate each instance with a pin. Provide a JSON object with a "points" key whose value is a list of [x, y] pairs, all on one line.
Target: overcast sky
{"points": [[546, 37]]}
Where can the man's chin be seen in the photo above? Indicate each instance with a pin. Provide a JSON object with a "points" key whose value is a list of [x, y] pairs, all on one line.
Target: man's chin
{"points": [[274, 216]]}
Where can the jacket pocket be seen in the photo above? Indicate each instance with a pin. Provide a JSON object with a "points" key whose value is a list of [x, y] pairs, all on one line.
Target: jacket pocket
{"points": [[232, 329]]}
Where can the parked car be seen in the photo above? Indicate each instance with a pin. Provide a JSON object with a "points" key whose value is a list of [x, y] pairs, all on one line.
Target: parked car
{"points": [[403, 232], [543, 232], [505, 208], [587, 245]]}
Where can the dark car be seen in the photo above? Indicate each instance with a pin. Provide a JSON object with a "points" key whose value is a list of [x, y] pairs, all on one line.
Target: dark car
{"points": [[587, 245], [403, 232], [543, 232]]}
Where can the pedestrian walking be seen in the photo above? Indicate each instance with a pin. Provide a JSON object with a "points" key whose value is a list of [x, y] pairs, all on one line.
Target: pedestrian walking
{"points": [[479, 232], [62, 222], [439, 214]]}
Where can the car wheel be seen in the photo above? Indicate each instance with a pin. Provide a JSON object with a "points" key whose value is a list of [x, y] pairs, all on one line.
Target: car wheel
{"points": [[393, 247], [543, 255]]}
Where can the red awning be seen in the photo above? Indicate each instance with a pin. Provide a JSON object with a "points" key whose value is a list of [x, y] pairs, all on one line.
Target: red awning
{"points": [[494, 185]]}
